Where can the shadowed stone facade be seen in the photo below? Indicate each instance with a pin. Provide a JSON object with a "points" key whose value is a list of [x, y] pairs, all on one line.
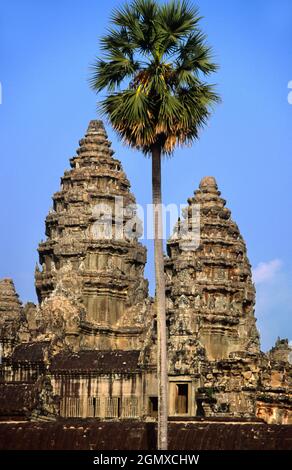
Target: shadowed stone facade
{"points": [[88, 349]]}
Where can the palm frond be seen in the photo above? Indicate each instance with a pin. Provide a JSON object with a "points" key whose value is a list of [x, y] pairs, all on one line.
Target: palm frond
{"points": [[110, 74], [129, 112], [154, 57], [118, 39], [178, 18], [195, 55]]}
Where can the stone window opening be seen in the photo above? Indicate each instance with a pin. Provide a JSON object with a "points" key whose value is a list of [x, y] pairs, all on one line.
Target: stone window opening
{"points": [[182, 399], [153, 407]]}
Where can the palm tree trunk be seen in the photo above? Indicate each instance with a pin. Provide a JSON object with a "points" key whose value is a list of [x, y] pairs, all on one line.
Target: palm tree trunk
{"points": [[162, 364]]}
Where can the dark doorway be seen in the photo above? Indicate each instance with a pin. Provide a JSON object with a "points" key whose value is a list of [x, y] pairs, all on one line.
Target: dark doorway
{"points": [[182, 399]]}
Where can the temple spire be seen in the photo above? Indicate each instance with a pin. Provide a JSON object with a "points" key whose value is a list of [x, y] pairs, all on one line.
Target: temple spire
{"points": [[96, 265], [9, 301], [210, 285], [96, 127]]}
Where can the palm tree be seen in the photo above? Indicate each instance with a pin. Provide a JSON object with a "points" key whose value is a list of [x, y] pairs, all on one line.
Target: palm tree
{"points": [[155, 57]]}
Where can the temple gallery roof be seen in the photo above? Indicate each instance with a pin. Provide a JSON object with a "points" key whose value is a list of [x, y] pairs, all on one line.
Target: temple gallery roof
{"points": [[99, 361], [30, 352]]}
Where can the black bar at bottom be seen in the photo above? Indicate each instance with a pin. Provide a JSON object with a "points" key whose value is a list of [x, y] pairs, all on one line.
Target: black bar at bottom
{"points": [[128, 459]]}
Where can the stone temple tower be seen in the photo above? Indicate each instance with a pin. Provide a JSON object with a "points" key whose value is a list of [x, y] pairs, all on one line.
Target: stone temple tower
{"points": [[92, 256], [10, 314], [210, 292]]}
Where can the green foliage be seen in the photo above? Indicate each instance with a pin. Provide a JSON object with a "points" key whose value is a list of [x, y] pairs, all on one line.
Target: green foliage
{"points": [[155, 59]]}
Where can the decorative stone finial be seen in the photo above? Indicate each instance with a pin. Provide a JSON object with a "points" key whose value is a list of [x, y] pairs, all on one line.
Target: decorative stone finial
{"points": [[96, 127], [208, 182], [93, 146], [7, 287]]}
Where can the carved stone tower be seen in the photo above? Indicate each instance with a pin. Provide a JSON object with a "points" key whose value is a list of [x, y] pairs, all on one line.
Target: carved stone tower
{"points": [[10, 314], [210, 292], [92, 255]]}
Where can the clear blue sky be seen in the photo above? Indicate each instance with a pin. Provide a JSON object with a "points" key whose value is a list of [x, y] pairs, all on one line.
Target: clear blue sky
{"points": [[45, 51]]}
